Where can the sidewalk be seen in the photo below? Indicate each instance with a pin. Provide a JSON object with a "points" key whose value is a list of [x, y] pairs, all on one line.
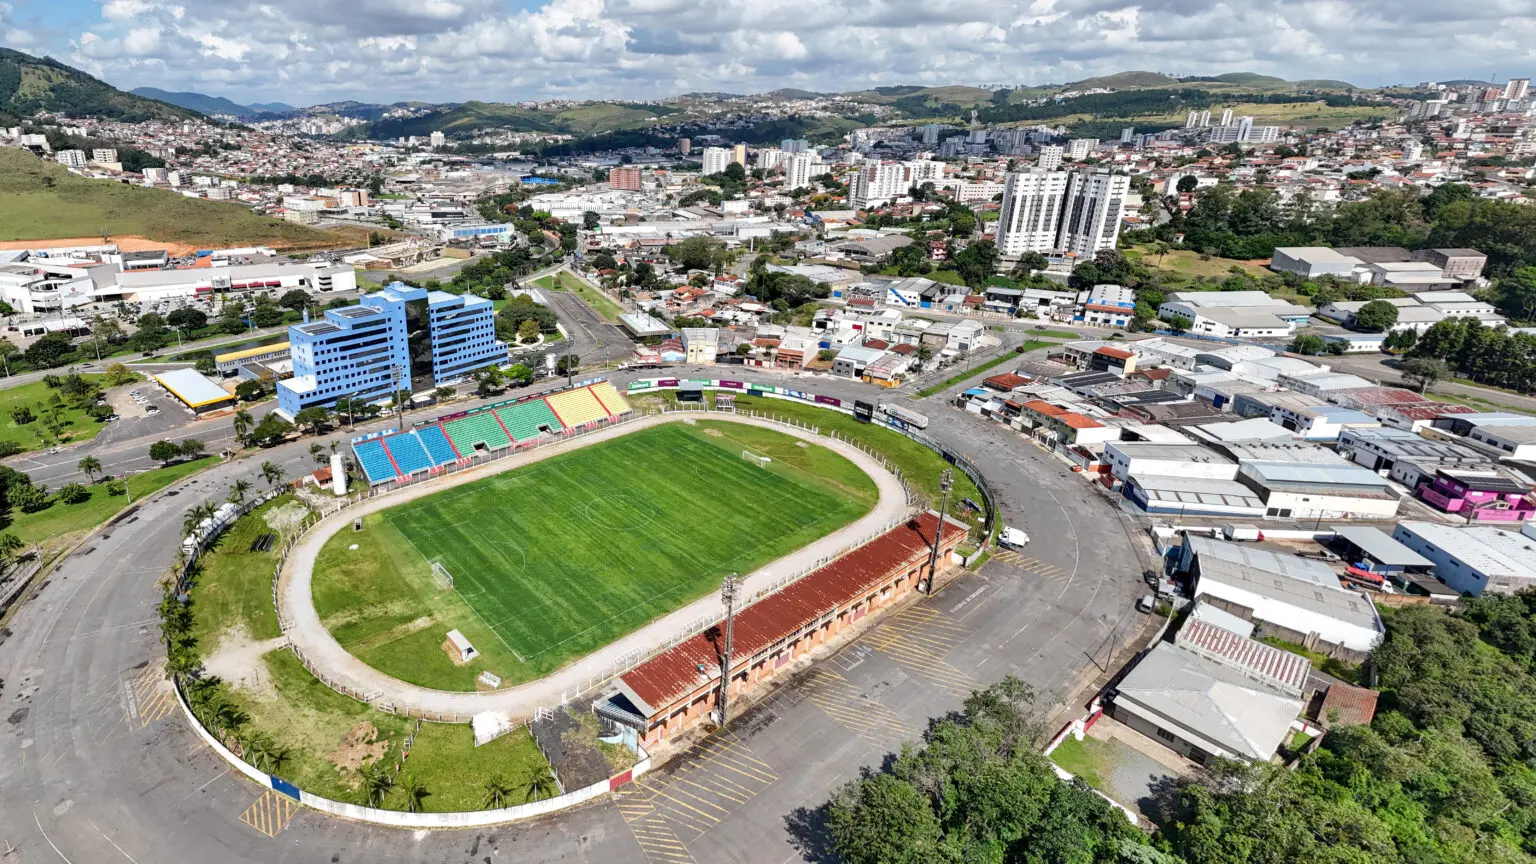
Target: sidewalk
{"points": [[332, 664]]}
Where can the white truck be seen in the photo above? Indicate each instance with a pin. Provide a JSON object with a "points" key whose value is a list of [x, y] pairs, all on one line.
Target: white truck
{"points": [[1012, 538]]}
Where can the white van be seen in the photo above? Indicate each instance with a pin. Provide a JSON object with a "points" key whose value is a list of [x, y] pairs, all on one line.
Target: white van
{"points": [[1012, 538]]}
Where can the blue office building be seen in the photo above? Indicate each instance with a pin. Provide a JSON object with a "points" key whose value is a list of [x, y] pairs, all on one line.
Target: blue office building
{"points": [[394, 339]]}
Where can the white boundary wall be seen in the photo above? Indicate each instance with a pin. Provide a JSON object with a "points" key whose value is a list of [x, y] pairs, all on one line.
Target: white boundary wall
{"points": [[401, 819]]}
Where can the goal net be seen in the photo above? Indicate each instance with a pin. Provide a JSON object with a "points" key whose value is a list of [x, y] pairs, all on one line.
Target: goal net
{"points": [[749, 456], [441, 574]]}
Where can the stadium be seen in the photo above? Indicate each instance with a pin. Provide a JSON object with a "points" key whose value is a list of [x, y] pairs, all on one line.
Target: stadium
{"points": [[561, 533]]}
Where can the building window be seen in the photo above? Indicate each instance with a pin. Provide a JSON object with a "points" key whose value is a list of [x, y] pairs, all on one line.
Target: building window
{"points": [[1166, 735]]}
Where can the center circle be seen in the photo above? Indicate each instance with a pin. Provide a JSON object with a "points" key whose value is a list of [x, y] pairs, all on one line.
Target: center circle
{"points": [[620, 512]]}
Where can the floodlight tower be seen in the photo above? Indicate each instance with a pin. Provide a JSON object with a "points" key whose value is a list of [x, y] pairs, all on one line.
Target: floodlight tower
{"points": [[730, 594], [946, 483]]}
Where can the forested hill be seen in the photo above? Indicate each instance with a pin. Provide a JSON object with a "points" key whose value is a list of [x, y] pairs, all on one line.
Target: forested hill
{"points": [[30, 84]]}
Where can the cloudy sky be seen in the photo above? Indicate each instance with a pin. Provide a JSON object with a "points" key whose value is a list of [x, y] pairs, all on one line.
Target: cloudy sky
{"points": [[310, 51]]}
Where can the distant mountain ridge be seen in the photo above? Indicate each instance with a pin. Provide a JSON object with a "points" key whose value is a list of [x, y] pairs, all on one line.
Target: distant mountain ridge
{"points": [[198, 102]]}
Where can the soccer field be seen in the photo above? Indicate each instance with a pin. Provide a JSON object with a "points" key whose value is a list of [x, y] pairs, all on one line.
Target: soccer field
{"points": [[553, 561]]}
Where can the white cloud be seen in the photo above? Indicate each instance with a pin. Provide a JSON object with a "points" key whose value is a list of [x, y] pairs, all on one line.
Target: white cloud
{"points": [[454, 50]]}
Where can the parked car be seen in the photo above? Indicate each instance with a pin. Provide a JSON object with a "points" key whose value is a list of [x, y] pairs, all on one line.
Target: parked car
{"points": [[1146, 604]]}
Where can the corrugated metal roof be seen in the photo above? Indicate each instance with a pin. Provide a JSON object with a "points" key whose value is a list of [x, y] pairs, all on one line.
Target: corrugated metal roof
{"points": [[663, 679], [1279, 668]]}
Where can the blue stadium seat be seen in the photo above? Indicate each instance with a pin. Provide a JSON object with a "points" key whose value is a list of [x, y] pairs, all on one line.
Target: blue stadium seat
{"points": [[375, 462], [410, 455], [437, 445]]}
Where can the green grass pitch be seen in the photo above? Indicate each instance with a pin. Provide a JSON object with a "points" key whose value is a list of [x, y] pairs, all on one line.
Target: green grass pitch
{"points": [[553, 561]]}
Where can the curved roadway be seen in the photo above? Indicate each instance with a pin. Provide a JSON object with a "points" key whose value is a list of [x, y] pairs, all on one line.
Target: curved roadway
{"points": [[95, 766], [309, 636]]}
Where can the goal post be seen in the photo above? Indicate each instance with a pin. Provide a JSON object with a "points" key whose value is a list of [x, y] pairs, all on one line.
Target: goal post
{"points": [[441, 575], [749, 456]]}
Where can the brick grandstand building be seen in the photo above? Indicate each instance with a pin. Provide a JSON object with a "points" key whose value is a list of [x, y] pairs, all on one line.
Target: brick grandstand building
{"points": [[672, 691]]}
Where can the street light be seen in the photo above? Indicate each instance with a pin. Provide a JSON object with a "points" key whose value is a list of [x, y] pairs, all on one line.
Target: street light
{"points": [[730, 593], [946, 483]]}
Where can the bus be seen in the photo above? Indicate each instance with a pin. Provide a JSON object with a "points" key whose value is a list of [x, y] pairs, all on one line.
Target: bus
{"points": [[903, 418]]}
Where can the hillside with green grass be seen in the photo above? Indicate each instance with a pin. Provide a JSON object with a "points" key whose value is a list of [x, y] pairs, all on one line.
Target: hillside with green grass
{"points": [[40, 200], [29, 85], [591, 118]]}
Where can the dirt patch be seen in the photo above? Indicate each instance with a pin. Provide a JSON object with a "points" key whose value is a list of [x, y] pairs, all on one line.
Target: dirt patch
{"points": [[714, 433], [237, 660], [360, 748], [286, 519], [125, 242], [365, 613]]}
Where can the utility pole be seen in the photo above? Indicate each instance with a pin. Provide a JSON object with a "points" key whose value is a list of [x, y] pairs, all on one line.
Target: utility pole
{"points": [[394, 377], [946, 483], [730, 593]]}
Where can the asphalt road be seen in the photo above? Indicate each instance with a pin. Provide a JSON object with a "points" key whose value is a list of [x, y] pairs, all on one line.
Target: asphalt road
{"points": [[96, 766]]}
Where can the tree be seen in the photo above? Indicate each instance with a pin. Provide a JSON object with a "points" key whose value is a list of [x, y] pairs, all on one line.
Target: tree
{"points": [[50, 350], [376, 783], [1308, 343], [698, 253], [28, 498], [415, 793], [1515, 295], [442, 394], [187, 319], [272, 473], [1376, 316], [590, 220], [21, 415], [296, 299], [977, 262], [488, 381], [251, 390], [1179, 323], [242, 424], [10, 544], [497, 792], [164, 452], [206, 366], [72, 493], [8, 351], [90, 466], [528, 331], [312, 418], [539, 782], [238, 490], [1425, 371], [519, 375], [191, 448], [118, 375], [317, 452], [883, 820], [1188, 183], [271, 430]]}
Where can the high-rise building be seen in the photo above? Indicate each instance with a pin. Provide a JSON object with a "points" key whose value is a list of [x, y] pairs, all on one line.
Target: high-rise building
{"points": [[930, 133], [70, 158], [739, 155], [794, 145], [1093, 204], [1226, 117], [1192, 120], [625, 177], [767, 158], [1205, 118], [1031, 213], [715, 160], [1079, 148], [877, 183], [438, 139], [1050, 158], [1516, 88], [799, 170], [104, 155], [1127, 135], [388, 342], [923, 171], [684, 146]]}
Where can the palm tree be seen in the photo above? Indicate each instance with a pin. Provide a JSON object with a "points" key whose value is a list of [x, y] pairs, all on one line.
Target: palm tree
{"points": [[243, 424], [415, 792], [497, 791], [317, 450], [10, 544], [238, 490], [195, 516], [540, 783], [90, 466], [265, 754], [272, 473], [376, 784]]}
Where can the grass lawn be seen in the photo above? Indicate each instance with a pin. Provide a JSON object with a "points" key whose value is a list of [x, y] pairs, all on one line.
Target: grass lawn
{"points": [[446, 761], [917, 463], [1054, 334], [600, 302], [35, 435], [965, 374], [555, 560], [234, 589], [1190, 264], [547, 283], [61, 523], [1477, 402], [1085, 758]]}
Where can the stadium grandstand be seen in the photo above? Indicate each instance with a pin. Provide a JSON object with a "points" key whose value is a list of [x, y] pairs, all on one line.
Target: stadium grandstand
{"points": [[459, 437]]}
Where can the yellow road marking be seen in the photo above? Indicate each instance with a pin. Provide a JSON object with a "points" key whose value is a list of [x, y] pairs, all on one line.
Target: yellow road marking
{"points": [[270, 813]]}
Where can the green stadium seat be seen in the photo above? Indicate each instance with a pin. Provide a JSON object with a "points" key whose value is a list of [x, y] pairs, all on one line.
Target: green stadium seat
{"points": [[524, 420], [481, 428]]}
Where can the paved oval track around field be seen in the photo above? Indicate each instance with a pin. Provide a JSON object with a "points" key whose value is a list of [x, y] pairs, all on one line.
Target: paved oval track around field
{"points": [[334, 664]]}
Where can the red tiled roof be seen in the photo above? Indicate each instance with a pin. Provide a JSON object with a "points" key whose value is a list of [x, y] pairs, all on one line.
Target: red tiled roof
{"points": [[904, 349], [1117, 353], [1046, 408], [1104, 307], [1382, 396], [1078, 421], [1154, 374], [1429, 410], [1348, 705], [1006, 381], [668, 676], [877, 343]]}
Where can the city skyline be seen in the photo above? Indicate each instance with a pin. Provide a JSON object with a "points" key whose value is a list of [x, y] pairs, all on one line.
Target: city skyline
{"points": [[451, 51]]}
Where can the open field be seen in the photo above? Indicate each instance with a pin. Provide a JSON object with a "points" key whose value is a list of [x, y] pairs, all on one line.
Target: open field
{"points": [[1191, 265], [61, 522], [41, 200], [35, 434], [970, 372], [600, 302], [234, 584], [555, 560]]}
